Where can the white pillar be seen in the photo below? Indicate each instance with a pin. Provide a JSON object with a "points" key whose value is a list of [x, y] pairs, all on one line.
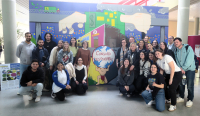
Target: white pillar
{"points": [[9, 30], [183, 19], [196, 26]]}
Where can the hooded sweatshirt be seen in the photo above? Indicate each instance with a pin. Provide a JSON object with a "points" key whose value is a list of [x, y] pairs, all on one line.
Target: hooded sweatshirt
{"points": [[24, 52], [65, 57], [29, 75], [49, 45]]}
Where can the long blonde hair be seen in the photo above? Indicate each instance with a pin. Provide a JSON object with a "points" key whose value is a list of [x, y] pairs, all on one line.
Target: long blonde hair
{"points": [[68, 49]]}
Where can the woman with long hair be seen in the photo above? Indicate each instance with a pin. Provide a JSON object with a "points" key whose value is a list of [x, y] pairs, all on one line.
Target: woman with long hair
{"points": [[173, 75], [65, 55], [126, 79], [141, 46], [73, 47], [164, 48], [121, 53], [155, 44]]}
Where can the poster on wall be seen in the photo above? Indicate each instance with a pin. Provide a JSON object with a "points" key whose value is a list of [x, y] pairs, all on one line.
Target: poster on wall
{"points": [[10, 74], [197, 50]]}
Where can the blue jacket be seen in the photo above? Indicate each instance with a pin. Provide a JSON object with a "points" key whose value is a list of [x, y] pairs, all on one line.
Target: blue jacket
{"points": [[55, 79], [185, 58]]}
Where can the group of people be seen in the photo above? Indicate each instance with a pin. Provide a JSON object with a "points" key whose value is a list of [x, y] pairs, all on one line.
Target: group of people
{"points": [[61, 67], [155, 71]]}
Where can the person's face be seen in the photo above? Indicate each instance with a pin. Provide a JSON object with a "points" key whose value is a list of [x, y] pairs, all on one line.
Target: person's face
{"points": [[177, 43], [34, 65], [123, 43], [60, 66], [133, 47], [60, 44], [131, 40], [66, 45], [28, 37], [146, 39], [80, 61], [48, 37], [126, 63], [40, 43], [162, 45], [158, 55], [141, 43], [153, 69], [170, 39], [84, 45], [142, 55], [73, 41], [150, 47], [151, 56], [154, 43]]}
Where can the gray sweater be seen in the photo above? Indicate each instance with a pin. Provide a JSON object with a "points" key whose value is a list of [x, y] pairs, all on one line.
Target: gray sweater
{"points": [[124, 79], [24, 52], [65, 57]]}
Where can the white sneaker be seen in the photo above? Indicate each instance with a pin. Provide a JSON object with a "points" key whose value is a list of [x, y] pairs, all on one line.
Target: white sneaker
{"points": [[37, 99], [179, 99], [120, 94], [26, 99], [150, 103], [18, 93], [189, 103], [53, 95], [128, 95], [30, 97], [172, 108], [168, 101]]}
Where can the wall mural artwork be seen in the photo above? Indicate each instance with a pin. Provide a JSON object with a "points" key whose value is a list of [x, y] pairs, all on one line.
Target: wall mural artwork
{"points": [[102, 25]]}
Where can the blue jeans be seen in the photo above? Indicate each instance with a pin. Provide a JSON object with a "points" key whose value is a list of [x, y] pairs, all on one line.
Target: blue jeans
{"points": [[27, 90], [159, 99], [190, 75], [23, 67]]}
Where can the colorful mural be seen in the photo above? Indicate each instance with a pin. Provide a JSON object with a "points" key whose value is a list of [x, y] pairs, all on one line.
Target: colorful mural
{"points": [[99, 24]]}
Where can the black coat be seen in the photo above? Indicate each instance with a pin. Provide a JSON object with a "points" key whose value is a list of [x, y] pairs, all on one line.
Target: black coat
{"points": [[49, 45], [29, 75], [35, 55]]}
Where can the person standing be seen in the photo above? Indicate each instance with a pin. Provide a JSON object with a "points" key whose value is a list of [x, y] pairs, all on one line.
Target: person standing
{"points": [[155, 44], [42, 55], [171, 45], [121, 53], [49, 44], [24, 53], [73, 47], [184, 56], [131, 40], [146, 40], [163, 47]]}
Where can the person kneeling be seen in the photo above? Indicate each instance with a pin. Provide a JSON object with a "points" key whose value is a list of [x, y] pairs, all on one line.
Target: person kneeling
{"points": [[155, 89], [61, 82], [31, 81], [126, 79], [79, 84]]}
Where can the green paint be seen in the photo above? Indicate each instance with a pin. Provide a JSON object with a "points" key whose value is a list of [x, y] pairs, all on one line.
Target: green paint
{"points": [[40, 6], [32, 4], [50, 9], [33, 40], [91, 81], [36, 7]]}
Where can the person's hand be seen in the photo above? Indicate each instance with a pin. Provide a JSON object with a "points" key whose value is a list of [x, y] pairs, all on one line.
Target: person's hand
{"points": [[29, 83], [34, 84], [127, 88], [77, 82], [131, 68], [83, 81], [51, 67], [117, 65], [147, 88], [68, 87], [170, 81], [154, 84], [42, 64], [183, 72]]}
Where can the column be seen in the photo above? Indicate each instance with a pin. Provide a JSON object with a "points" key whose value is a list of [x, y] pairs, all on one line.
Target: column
{"points": [[9, 30], [183, 20], [196, 26]]}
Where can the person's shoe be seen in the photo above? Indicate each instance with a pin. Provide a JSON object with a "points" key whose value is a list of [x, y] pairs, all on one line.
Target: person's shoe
{"points": [[172, 108], [45, 90], [53, 95], [120, 94], [128, 95], [153, 102], [179, 99], [26, 99], [37, 99], [189, 103], [168, 101], [18, 93], [150, 103], [30, 97]]}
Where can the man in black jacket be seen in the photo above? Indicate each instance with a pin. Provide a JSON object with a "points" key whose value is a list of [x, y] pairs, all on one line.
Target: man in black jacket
{"points": [[48, 43], [31, 80]]}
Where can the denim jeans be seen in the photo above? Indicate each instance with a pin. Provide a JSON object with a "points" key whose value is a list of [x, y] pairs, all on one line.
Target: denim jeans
{"points": [[27, 90], [159, 99], [23, 67], [124, 91], [190, 75]]}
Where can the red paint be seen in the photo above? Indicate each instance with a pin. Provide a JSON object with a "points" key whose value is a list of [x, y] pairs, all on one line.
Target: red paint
{"points": [[192, 41]]}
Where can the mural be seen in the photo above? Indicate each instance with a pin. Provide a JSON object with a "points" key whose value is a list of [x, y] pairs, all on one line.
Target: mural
{"points": [[100, 25]]}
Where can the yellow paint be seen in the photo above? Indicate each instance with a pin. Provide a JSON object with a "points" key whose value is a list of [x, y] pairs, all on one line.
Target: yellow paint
{"points": [[115, 16], [93, 73], [111, 15], [47, 27], [106, 13], [95, 34], [115, 12], [108, 20], [89, 41], [100, 18], [112, 22]]}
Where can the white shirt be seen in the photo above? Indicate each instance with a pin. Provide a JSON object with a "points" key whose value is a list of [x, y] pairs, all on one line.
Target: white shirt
{"points": [[170, 46], [163, 64], [81, 67], [62, 78]]}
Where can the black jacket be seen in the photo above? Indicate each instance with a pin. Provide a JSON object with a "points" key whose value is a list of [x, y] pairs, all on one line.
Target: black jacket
{"points": [[29, 75], [49, 45], [35, 55], [135, 60]]}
